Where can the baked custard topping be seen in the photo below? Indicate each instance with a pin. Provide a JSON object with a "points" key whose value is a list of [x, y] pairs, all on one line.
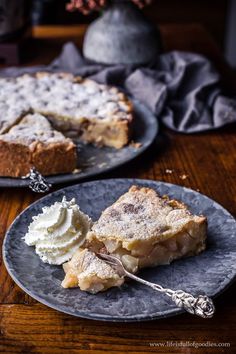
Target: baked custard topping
{"points": [[58, 231]]}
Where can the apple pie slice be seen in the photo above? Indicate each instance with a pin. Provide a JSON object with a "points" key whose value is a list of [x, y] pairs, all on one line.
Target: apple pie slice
{"points": [[144, 229], [90, 273]]}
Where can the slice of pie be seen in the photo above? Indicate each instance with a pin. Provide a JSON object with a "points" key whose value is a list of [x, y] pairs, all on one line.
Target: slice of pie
{"points": [[144, 229], [90, 273], [34, 143]]}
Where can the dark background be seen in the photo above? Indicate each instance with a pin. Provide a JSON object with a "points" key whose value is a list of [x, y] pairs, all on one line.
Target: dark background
{"points": [[212, 14]]}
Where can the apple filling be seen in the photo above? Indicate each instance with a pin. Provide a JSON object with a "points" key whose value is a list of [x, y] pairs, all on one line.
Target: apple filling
{"points": [[161, 253], [144, 254], [90, 273]]}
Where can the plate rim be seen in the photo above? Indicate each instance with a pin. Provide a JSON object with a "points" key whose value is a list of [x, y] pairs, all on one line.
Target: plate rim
{"points": [[97, 317], [13, 182]]}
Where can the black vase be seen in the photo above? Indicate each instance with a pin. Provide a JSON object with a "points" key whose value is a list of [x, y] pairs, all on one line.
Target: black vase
{"points": [[122, 35]]}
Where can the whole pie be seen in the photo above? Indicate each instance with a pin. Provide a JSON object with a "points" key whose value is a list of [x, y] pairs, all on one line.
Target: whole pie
{"points": [[94, 112]]}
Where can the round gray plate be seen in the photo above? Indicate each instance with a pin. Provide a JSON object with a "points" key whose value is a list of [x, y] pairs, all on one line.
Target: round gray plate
{"points": [[210, 272], [92, 160]]}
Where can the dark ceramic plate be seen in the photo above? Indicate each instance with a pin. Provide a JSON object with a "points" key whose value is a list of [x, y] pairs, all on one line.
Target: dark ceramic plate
{"points": [[92, 160], [210, 272]]}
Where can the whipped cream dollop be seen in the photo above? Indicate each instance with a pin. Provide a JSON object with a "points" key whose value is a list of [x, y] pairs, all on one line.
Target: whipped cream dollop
{"points": [[58, 231]]}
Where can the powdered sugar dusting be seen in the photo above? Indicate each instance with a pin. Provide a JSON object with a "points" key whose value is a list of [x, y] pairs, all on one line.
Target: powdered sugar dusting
{"points": [[92, 265], [60, 95], [140, 214]]}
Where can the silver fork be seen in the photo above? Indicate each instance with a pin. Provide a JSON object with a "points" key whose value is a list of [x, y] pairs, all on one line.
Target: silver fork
{"points": [[38, 183], [201, 305]]}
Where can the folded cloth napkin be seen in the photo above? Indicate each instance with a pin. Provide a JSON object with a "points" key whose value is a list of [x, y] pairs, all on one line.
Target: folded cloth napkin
{"points": [[181, 89]]}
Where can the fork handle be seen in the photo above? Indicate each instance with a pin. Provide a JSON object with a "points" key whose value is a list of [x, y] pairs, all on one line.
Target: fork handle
{"points": [[38, 183], [201, 305]]}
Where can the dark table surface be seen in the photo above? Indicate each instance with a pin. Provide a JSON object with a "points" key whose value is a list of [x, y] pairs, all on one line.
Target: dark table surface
{"points": [[205, 162]]}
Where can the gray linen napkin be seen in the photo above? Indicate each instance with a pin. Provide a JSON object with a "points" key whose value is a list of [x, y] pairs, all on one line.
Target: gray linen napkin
{"points": [[181, 89]]}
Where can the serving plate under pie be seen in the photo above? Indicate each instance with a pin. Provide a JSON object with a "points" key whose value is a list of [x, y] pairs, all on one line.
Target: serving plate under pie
{"points": [[211, 272], [93, 161]]}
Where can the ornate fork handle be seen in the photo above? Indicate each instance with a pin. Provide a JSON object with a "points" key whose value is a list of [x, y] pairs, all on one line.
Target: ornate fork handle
{"points": [[38, 183], [201, 305]]}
